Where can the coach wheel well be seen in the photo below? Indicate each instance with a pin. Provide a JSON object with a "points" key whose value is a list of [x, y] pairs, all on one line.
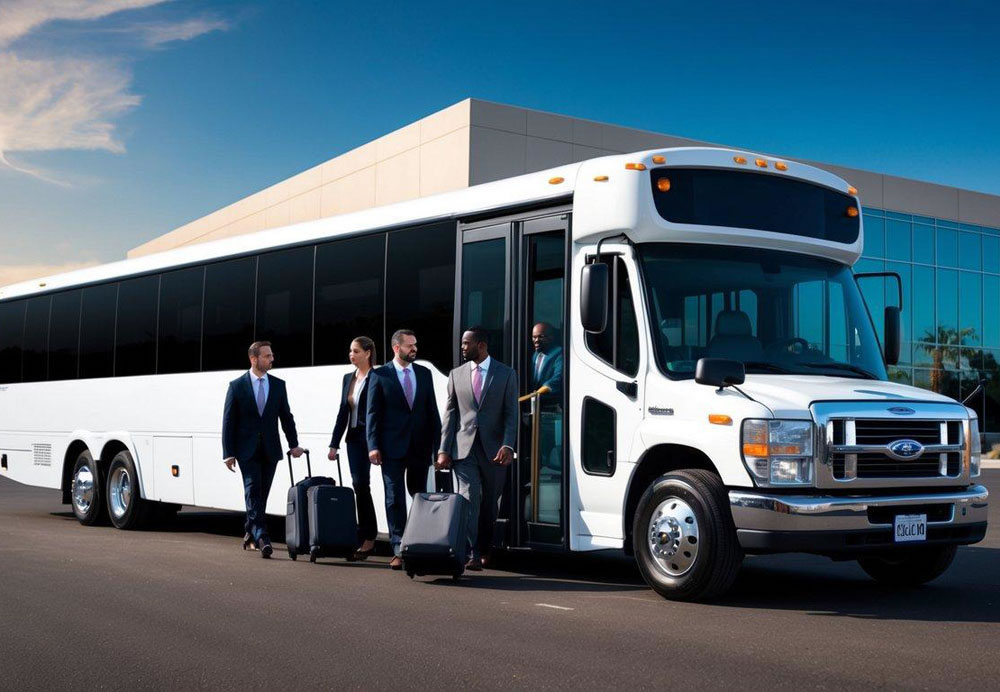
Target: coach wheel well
{"points": [[654, 463], [72, 452]]}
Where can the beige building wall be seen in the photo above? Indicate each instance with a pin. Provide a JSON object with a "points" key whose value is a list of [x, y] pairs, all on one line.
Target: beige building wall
{"points": [[475, 142]]}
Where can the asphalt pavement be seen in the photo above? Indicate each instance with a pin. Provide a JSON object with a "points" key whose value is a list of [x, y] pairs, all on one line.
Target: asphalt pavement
{"points": [[182, 607]]}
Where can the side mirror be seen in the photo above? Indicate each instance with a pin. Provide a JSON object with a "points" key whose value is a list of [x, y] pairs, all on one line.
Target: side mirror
{"points": [[892, 332], [594, 297], [719, 372]]}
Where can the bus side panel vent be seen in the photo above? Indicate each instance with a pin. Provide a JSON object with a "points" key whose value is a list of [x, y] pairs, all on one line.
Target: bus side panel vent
{"points": [[43, 455]]}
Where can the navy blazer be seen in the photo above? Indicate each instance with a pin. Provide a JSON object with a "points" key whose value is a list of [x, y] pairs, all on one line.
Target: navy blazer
{"points": [[344, 414], [394, 429], [552, 372], [243, 429]]}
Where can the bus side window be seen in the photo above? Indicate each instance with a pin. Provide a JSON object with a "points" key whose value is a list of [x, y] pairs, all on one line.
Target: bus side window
{"points": [[618, 344], [11, 336], [229, 314]]}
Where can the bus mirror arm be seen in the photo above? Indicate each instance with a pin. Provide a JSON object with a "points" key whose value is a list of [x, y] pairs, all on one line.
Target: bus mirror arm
{"points": [[719, 372]]}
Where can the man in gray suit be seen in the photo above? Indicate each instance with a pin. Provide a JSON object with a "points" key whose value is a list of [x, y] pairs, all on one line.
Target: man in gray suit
{"points": [[478, 433]]}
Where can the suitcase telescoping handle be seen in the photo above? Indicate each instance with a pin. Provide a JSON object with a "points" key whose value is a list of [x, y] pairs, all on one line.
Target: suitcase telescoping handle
{"points": [[291, 476]]}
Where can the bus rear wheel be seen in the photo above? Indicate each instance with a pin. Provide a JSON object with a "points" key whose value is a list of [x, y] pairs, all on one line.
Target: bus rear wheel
{"points": [[126, 509], [87, 491], [683, 536]]}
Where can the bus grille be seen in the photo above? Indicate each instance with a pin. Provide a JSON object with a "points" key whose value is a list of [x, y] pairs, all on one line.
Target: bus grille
{"points": [[860, 448]]}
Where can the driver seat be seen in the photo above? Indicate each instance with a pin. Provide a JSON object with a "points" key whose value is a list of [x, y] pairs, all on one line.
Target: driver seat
{"points": [[733, 338]]}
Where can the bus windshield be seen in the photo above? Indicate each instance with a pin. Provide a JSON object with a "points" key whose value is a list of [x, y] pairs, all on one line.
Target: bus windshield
{"points": [[777, 312]]}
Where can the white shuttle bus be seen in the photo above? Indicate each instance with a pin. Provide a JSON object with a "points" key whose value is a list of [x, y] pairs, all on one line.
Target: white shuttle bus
{"points": [[723, 390]]}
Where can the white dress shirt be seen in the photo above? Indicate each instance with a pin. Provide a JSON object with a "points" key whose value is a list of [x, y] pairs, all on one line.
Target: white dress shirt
{"points": [[399, 374], [354, 397]]}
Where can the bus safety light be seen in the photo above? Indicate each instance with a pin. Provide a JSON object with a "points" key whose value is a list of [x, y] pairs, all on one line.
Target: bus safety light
{"points": [[761, 163], [556, 180], [600, 178], [635, 167], [719, 419], [781, 166], [659, 159], [740, 160], [663, 184], [851, 190], [852, 212]]}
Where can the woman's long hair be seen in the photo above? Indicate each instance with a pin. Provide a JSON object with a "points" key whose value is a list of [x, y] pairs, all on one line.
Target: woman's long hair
{"points": [[368, 346]]}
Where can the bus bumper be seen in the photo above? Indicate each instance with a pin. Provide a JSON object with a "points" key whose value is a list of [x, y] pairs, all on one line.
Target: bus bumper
{"points": [[831, 525]]}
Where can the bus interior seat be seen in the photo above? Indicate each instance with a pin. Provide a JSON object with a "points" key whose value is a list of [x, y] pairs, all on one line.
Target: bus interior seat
{"points": [[734, 338]]}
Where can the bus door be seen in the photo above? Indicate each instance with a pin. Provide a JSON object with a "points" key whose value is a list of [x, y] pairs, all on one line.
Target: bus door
{"points": [[513, 279]]}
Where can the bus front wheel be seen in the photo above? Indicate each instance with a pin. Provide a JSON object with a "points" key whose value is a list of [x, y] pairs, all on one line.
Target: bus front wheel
{"points": [[683, 536], [87, 491], [126, 508]]}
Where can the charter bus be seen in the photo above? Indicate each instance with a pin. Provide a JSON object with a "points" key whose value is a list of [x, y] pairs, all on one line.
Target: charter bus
{"points": [[723, 389]]}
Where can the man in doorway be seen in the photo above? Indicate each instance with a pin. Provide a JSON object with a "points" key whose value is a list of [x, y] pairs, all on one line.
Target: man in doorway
{"points": [[479, 430], [546, 363], [403, 428], [255, 402]]}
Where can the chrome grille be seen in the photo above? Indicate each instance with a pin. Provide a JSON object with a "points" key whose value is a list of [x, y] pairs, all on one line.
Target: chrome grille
{"points": [[860, 448]]}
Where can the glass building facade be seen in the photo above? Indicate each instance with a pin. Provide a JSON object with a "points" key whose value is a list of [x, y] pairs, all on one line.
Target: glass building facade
{"points": [[951, 303]]}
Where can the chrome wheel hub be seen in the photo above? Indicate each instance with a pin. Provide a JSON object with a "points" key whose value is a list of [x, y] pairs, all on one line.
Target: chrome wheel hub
{"points": [[673, 537], [82, 489], [120, 492]]}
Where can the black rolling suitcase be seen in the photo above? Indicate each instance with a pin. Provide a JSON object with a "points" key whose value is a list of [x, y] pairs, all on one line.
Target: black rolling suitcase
{"points": [[333, 520], [296, 510], [437, 530]]}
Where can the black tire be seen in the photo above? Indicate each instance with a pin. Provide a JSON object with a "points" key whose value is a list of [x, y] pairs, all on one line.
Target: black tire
{"points": [[126, 508], [699, 555], [87, 491], [911, 567]]}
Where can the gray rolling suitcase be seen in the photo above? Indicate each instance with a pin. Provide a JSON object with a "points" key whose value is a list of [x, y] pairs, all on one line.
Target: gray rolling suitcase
{"points": [[437, 530], [296, 509]]}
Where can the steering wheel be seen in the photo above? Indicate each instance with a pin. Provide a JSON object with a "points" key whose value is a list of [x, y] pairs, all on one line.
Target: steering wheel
{"points": [[787, 345]]}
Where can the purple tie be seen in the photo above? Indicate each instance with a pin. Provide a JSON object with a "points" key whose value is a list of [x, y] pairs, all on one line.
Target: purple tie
{"points": [[408, 387], [477, 383], [260, 396]]}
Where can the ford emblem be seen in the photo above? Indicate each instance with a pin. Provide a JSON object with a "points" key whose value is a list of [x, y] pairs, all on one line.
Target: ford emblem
{"points": [[902, 410], [905, 449]]}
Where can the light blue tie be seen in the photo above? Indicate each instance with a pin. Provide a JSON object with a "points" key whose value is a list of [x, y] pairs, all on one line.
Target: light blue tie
{"points": [[260, 396]]}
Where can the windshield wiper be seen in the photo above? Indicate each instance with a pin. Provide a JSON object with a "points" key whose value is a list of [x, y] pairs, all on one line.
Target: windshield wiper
{"points": [[841, 366], [763, 365]]}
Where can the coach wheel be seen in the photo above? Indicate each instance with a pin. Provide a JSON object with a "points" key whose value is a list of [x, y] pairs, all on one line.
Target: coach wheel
{"points": [[86, 491], [683, 536], [126, 509]]}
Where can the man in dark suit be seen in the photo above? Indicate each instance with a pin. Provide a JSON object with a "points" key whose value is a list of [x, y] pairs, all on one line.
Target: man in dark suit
{"points": [[255, 403], [478, 433], [546, 363], [404, 429]]}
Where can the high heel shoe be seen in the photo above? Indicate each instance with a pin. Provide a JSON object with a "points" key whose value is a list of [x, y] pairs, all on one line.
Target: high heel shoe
{"points": [[360, 555], [248, 543]]}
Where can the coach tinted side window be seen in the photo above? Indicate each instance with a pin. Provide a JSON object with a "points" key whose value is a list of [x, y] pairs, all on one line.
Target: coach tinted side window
{"points": [[284, 305], [35, 356], [97, 331], [64, 336], [229, 314], [179, 341], [135, 341], [11, 336]]}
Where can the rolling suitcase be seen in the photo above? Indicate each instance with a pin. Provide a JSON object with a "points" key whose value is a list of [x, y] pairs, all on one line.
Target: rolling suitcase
{"points": [[296, 509], [333, 520], [434, 541]]}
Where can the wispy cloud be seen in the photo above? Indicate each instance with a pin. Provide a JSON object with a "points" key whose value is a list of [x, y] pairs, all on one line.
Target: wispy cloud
{"points": [[55, 102]]}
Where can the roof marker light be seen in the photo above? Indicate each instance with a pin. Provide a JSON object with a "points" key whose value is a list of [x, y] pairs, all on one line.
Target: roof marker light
{"points": [[852, 212], [761, 163], [781, 166], [739, 159], [851, 190], [659, 158], [635, 167], [600, 178], [663, 184], [556, 180]]}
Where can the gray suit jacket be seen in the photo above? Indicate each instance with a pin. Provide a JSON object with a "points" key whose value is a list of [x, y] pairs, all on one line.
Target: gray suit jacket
{"points": [[494, 419]]}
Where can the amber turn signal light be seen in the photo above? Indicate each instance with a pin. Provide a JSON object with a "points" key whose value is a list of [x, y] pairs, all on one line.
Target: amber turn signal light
{"points": [[600, 178], [719, 419], [556, 180]]}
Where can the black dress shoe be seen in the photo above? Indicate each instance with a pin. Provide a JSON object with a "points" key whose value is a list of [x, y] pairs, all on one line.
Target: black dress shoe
{"points": [[265, 548]]}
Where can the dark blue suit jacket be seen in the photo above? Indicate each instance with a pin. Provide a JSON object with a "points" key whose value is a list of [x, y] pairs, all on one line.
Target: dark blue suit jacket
{"points": [[394, 429], [243, 429], [344, 413]]}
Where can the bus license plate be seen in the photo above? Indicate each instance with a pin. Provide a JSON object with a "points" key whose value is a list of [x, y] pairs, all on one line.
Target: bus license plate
{"points": [[910, 527]]}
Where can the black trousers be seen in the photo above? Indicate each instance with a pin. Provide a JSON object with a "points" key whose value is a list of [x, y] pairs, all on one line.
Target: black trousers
{"points": [[361, 471], [258, 473]]}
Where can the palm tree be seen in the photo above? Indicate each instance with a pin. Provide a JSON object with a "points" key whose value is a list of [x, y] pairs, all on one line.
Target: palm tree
{"points": [[945, 343]]}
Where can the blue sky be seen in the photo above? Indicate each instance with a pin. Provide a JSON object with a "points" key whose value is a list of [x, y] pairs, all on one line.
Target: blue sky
{"points": [[123, 119]]}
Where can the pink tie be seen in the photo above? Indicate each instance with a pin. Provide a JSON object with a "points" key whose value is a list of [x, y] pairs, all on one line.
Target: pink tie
{"points": [[477, 383], [408, 387]]}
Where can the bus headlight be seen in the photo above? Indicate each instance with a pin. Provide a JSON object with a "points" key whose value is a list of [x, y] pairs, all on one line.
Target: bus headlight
{"points": [[975, 448], [778, 452]]}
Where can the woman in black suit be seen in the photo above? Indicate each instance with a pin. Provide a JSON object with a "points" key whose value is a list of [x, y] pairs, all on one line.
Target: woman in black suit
{"points": [[351, 418]]}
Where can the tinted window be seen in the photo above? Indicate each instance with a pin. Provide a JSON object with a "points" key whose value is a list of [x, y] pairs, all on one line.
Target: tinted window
{"points": [[484, 291], [229, 314], [135, 340], [35, 356], [598, 438], [739, 199], [349, 297], [180, 321], [64, 336], [97, 330], [11, 336], [420, 289], [284, 304], [618, 344]]}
